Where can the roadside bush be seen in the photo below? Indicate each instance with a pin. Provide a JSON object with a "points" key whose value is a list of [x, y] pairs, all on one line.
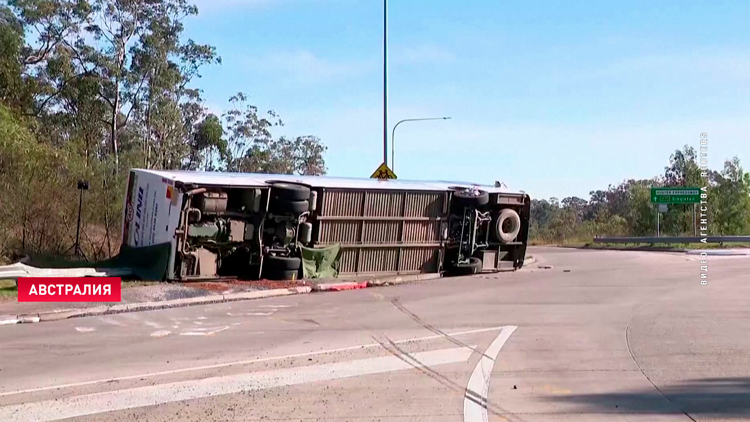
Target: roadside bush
{"points": [[39, 201]]}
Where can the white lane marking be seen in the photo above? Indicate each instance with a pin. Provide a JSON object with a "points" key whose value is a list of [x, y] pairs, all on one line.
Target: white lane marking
{"points": [[111, 321], [204, 331], [201, 317], [243, 362], [475, 400], [160, 333], [85, 329], [152, 324], [251, 313], [90, 404], [275, 306]]}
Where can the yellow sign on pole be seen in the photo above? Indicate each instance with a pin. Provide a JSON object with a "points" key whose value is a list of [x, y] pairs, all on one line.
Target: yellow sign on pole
{"points": [[383, 173]]}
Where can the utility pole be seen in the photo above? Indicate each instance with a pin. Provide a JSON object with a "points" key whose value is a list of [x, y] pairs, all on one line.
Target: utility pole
{"points": [[385, 81]]}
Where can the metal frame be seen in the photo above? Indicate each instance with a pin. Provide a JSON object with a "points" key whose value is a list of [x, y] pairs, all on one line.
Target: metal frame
{"points": [[400, 238]]}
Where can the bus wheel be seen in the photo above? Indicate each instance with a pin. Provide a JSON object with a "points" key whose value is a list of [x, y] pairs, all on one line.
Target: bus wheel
{"points": [[290, 191], [507, 225], [292, 207], [474, 266], [472, 198], [283, 275], [282, 263]]}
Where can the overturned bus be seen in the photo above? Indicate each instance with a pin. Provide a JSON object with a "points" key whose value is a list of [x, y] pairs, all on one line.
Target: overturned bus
{"points": [[253, 226]]}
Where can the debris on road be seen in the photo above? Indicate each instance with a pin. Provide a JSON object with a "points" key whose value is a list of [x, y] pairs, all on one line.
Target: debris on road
{"points": [[19, 269], [344, 285]]}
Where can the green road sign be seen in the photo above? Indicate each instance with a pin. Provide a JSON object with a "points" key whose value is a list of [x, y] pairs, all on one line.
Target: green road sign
{"points": [[676, 195]]}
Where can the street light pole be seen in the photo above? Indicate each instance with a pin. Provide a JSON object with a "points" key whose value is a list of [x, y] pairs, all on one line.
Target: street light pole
{"points": [[385, 81], [393, 135]]}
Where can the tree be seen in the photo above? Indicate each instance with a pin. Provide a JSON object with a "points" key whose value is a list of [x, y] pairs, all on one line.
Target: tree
{"points": [[90, 88], [577, 205], [729, 200], [15, 91], [252, 149], [683, 168], [208, 140]]}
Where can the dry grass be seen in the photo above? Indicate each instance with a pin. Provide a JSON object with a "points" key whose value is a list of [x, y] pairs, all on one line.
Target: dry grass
{"points": [[8, 289], [590, 245]]}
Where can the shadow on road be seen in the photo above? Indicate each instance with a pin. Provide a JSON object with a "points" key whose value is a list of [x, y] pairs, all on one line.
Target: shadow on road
{"points": [[718, 397]]}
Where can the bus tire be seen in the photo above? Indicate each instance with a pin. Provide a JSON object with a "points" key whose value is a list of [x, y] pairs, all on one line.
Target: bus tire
{"points": [[282, 263], [512, 216], [280, 206], [290, 191], [466, 198], [474, 266], [283, 275]]}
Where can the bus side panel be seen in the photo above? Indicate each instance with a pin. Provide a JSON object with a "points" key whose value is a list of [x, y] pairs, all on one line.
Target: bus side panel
{"points": [[523, 235], [148, 210], [127, 212], [173, 221]]}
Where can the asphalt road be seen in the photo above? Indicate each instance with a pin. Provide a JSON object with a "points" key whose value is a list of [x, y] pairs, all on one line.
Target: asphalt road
{"points": [[601, 336]]}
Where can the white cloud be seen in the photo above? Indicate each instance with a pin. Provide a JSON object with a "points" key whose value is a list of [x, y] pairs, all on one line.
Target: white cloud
{"points": [[215, 109], [211, 5], [304, 67], [234, 5], [422, 54]]}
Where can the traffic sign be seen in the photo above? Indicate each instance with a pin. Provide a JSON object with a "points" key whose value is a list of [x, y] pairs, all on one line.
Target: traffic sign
{"points": [[676, 195], [383, 173]]}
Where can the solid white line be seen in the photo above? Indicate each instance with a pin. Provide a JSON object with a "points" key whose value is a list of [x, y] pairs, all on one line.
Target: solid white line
{"points": [[242, 362], [90, 404], [475, 400]]}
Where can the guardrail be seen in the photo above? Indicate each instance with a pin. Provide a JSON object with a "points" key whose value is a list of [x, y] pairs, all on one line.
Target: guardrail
{"points": [[674, 239]]}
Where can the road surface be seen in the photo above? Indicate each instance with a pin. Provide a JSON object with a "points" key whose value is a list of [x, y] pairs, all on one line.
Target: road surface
{"points": [[600, 336]]}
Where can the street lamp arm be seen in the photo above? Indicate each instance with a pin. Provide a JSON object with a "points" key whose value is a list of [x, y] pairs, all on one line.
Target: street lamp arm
{"points": [[393, 135]]}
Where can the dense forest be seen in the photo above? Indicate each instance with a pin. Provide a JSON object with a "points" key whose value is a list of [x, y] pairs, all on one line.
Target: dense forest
{"points": [[626, 209], [91, 88]]}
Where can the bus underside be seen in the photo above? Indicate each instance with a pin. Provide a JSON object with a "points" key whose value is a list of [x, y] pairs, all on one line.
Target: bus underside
{"points": [[258, 232]]}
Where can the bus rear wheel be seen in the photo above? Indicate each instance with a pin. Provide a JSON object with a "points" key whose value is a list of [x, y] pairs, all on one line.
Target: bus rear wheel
{"points": [[472, 266]]}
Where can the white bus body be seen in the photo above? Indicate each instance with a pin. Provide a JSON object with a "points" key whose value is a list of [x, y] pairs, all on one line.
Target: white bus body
{"points": [[391, 226]]}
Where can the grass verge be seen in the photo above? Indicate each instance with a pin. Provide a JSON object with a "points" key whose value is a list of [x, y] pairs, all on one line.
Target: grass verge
{"points": [[8, 289], [666, 246]]}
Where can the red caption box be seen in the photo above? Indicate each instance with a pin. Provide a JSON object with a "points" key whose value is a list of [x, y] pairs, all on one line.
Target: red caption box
{"points": [[69, 289]]}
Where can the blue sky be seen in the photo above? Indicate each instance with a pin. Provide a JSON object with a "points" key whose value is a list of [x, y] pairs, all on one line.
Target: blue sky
{"points": [[553, 98]]}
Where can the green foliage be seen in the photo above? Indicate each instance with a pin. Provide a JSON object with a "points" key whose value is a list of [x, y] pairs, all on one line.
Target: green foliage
{"points": [[730, 199], [626, 209], [91, 88]]}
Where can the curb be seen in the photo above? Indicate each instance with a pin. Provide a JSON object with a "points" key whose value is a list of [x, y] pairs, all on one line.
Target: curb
{"points": [[232, 297], [377, 282], [149, 306], [717, 252], [8, 319], [623, 248], [344, 285]]}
